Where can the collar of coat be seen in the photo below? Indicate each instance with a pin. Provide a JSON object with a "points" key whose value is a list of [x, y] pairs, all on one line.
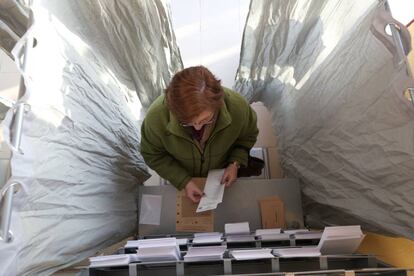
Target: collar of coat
{"points": [[223, 121]]}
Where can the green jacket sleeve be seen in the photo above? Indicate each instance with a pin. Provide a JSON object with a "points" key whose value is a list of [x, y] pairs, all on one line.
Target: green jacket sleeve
{"points": [[246, 139], [158, 159]]}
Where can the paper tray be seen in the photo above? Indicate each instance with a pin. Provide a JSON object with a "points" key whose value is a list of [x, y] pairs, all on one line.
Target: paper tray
{"points": [[233, 267]]}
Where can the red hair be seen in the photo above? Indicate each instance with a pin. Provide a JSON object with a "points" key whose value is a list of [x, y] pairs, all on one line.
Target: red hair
{"points": [[192, 91]]}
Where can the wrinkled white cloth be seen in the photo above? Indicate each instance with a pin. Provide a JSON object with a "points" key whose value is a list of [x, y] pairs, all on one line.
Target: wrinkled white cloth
{"points": [[95, 67], [334, 84]]}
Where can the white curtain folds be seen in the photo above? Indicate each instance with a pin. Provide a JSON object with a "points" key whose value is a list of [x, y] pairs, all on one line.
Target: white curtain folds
{"points": [[334, 82]]}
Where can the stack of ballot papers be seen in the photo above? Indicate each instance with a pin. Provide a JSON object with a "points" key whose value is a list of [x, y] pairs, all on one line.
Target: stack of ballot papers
{"points": [[237, 228], [271, 235], [311, 251], [131, 244], [155, 250], [240, 238], [309, 235], [113, 260], [134, 243], [238, 232], [182, 241], [205, 253], [207, 238], [252, 254], [295, 231], [213, 191], [340, 240], [262, 232]]}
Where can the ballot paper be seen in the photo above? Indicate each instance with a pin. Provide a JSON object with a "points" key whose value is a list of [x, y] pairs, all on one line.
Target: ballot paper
{"points": [[182, 241], [158, 254], [207, 238], [134, 243], [340, 240], [205, 253], [274, 237], [213, 191], [310, 251], [271, 235], [252, 254], [113, 260], [295, 231], [150, 209], [240, 238], [237, 228], [238, 232], [260, 232], [310, 235], [131, 244], [145, 243], [156, 250]]}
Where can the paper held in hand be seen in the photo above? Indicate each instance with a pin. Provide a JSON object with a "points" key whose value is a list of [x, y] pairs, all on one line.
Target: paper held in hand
{"points": [[213, 191]]}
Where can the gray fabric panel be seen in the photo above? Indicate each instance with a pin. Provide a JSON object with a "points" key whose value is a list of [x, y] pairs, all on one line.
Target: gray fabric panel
{"points": [[14, 16], [134, 39], [81, 165], [335, 94], [7, 39]]}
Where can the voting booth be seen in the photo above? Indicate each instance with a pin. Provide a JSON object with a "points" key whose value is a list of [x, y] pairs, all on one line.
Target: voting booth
{"points": [[236, 238], [333, 75]]}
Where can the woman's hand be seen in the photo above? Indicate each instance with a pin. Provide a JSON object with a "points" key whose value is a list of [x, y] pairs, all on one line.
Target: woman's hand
{"points": [[193, 192], [230, 175]]}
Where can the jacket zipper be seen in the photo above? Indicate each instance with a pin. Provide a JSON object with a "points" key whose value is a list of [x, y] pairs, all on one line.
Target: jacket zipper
{"points": [[202, 159], [202, 162], [204, 150]]}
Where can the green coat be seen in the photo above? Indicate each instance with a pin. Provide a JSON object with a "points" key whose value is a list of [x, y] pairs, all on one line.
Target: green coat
{"points": [[169, 150]]}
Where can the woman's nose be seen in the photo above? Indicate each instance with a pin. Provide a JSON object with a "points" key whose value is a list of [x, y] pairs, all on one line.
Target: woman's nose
{"points": [[197, 126]]}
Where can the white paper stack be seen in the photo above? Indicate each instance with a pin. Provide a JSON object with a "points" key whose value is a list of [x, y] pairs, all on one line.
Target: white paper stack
{"points": [[113, 260], [261, 232], [240, 238], [310, 251], [238, 232], [295, 231], [213, 191], [340, 240], [156, 250], [131, 244], [309, 235], [182, 241], [237, 228], [207, 238], [271, 235], [134, 243], [205, 253], [252, 254]]}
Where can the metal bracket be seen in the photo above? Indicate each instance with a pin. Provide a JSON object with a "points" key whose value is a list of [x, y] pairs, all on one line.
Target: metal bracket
{"points": [[275, 265], [6, 212], [20, 109], [411, 93], [396, 36], [179, 269], [227, 266], [132, 269], [323, 262]]}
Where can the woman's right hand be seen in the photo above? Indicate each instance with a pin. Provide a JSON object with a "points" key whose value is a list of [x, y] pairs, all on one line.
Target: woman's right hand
{"points": [[193, 192]]}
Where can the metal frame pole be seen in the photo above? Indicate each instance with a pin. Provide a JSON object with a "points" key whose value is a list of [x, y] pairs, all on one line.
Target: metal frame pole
{"points": [[16, 133]]}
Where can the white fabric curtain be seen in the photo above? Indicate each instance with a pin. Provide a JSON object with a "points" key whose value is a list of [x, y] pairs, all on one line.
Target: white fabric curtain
{"points": [[95, 66], [334, 84]]}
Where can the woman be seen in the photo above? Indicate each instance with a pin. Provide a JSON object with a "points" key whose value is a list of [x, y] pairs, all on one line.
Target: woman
{"points": [[198, 125]]}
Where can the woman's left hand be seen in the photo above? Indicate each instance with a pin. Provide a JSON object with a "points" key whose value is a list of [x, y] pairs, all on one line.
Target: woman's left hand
{"points": [[230, 175]]}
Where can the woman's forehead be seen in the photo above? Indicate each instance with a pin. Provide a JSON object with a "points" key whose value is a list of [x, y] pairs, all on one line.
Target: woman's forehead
{"points": [[205, 114]]}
